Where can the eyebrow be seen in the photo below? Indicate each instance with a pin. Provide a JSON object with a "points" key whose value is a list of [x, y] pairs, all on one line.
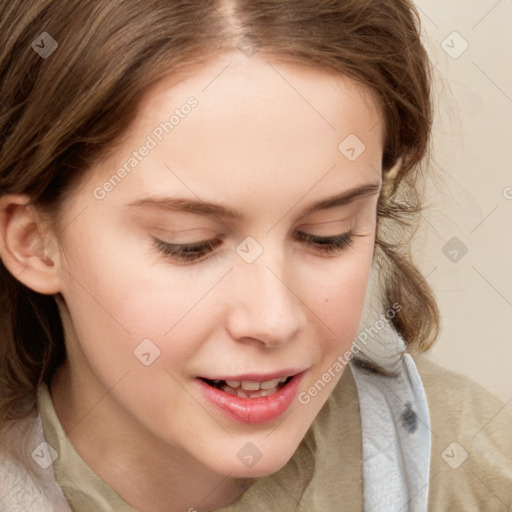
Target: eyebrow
{"points": [[178, 204]]}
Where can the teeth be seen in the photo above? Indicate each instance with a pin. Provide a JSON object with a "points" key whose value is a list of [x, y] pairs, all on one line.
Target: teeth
{"points": [[255, 389], [250, 388], [271, 383], [250, 385], [249, 394]]}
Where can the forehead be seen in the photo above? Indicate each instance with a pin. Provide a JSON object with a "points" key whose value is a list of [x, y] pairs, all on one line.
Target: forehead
{"points": [[232, 86], [265, 126]]}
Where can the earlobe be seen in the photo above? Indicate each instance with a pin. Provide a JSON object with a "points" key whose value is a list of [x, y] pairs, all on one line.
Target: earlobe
{"points": [[27, 253]]}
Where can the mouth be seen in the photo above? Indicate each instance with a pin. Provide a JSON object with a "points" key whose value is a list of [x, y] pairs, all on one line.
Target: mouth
{"points": [[249, 388], [252, 398]]}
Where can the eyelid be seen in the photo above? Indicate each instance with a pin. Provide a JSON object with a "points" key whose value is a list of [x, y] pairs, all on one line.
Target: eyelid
{"points": [[309, 225], [187, 253], [312, 225], [172, 232]]}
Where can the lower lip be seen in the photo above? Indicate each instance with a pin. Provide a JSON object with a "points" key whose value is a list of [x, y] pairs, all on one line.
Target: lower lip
{"points": [[254, 410]]}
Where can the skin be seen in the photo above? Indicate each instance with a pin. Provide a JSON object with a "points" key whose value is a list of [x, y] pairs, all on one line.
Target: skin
{"points": [[262, 144]]}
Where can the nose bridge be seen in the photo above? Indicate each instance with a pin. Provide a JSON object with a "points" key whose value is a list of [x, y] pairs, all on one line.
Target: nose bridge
{"points": [[266, 307]]}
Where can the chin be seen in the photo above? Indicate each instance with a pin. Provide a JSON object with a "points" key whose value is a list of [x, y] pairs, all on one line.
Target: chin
{"points": [[259, 470], [249, 462]]}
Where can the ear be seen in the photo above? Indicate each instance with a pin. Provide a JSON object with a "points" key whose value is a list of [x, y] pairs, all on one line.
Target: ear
{"points": [[27, 249]]}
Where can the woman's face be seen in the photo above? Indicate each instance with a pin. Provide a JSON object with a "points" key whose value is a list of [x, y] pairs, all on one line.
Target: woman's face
{"points": [[252, 147]]}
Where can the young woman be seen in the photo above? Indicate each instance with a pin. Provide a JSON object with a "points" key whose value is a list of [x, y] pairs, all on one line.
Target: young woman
{"points": [[205, 302]]}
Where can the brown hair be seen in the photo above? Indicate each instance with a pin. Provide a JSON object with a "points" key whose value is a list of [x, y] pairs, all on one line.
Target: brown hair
{"points": [[61, 114]]}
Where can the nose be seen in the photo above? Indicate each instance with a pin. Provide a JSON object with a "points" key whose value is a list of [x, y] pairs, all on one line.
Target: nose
{"points": [[266, 309]]}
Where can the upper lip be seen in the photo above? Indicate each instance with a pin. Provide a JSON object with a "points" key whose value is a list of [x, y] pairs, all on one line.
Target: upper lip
{"points": [[258, 377]]}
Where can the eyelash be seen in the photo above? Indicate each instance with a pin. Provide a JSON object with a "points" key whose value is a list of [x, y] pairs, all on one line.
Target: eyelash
{"points": [[326, 245]]}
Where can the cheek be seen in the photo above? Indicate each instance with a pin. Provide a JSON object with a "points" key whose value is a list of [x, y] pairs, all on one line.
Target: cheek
{"points": [[118, 302], [339, 303], [338, 300]]}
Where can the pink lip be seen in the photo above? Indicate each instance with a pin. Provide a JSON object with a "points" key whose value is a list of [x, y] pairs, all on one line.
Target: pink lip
{"points": [[259, 377], [254, 410]]}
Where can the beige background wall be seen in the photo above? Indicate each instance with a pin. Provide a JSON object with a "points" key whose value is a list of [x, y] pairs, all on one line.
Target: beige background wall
{"points": [[472, 200]]}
